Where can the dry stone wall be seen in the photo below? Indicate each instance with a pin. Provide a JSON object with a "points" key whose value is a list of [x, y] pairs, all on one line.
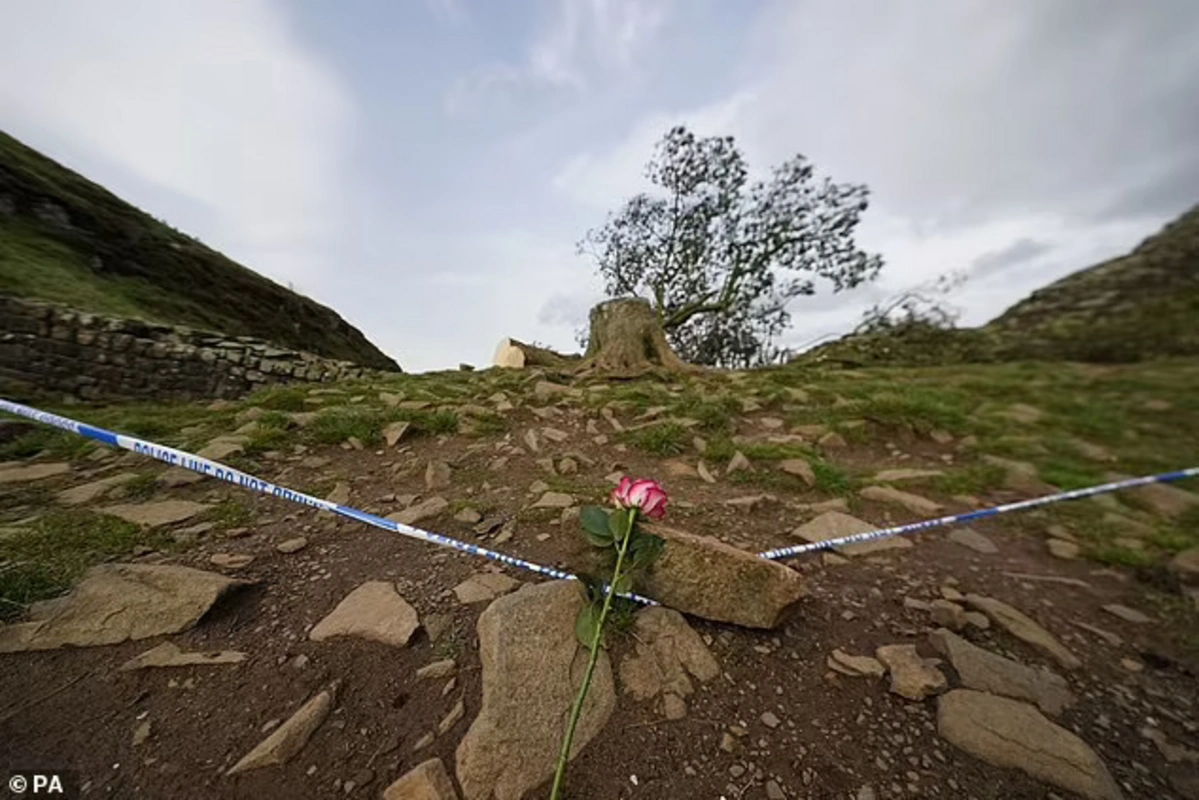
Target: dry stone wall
{"points": [[47, 349]]}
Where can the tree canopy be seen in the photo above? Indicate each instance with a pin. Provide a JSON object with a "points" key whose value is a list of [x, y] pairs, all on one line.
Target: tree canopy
{"points": [[720, 258]]}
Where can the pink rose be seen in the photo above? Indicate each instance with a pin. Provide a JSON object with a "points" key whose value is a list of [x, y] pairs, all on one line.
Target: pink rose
{"points": [[643, 494]]}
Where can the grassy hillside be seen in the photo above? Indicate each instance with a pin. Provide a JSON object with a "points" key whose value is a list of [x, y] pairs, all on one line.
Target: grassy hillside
{"points": [[67, 240], [1140, 306]]}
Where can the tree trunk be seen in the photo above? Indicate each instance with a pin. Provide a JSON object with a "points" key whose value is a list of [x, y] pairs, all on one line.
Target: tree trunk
{"points": [[518, 355], [627, 339]]}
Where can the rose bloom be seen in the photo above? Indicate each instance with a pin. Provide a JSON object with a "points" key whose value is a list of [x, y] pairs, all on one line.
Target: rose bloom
{"points": [[643, 494]]}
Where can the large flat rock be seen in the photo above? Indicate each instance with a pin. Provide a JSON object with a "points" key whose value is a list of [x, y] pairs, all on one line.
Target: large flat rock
{"points": [[375, 611], [1014, 735], [1025, 628], [116, 602], [705, 577], [834, 525], [668, 654], [157, 513], [23, 473], [532, 668], [988, 672]]}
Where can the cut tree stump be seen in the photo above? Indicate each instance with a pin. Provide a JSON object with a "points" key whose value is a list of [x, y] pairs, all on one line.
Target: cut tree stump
{"points": [[627, 339]]}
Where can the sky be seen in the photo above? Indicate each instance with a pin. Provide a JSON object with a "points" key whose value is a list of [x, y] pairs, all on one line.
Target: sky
{"points": [[426, 167]]}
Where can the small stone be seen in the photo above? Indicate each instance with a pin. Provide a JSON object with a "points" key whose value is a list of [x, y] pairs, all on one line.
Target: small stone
{"points": [[834, 525], [673, 706], [555, 435], [438, 669], [727, 743], [1060, 548], [1127, 614], [428, 509], [770, 720], [1132, 665], [554, 500], [774, 791], [948, 615], [568, 466], [832, 441], [141, 733], [738, 463], [968, 537], [437, 475], [452, 718], [1024, 628], [469, 516], [394, 432], [800, 468], [911, 677], [484, 586], [426, 781], [230, 560], [289, 738], [856, 666], [702, 470], [292, 545], [912, 502]]}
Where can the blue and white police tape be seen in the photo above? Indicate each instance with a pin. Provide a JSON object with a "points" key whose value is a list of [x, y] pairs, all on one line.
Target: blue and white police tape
{"points": [[204, 466], [954, 519]]}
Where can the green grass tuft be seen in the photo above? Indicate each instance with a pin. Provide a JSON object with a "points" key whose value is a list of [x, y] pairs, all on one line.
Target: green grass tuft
{"points": [[666, 439]]}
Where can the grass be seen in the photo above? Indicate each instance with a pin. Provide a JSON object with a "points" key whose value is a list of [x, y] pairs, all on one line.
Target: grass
{"points": [[279, 398], [229, 513], [47, 558], [116, 259], [975, 478], [665, 439], [140, 488], [44, 440]]}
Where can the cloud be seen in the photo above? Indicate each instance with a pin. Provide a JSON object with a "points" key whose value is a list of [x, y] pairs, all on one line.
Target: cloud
{"points": [[1019, 251], [215, 102], [582, 38]]}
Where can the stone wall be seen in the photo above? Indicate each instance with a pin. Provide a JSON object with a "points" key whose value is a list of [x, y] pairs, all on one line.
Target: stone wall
{"points": [[48, 349]]}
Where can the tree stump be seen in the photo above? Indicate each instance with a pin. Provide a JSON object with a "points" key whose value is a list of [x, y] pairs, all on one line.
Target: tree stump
{"points": [[627, 339]]}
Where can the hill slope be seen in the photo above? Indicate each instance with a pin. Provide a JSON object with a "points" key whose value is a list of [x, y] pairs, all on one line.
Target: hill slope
{"points": [[65, 239], [1139, 306]]}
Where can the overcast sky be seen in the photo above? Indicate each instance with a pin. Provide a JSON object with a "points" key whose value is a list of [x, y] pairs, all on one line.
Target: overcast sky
{"points": [[425, 167]]}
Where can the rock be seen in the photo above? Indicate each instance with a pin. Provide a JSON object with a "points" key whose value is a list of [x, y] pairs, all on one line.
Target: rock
{"points": [[774, 791], [1023, 413], [1024, 628], [88, 492], [569, 466], [948, 615], [292, 545], [231, 560], [469, 516], [452, 718], [1060, 532], [832, 441], [978, 620], [898, 475], [1127, 614], [910, 676], [1167, 500], [141, 733], [176, 477], [1185, 566], [289, 738], [667, 652], [834, 525], [680, 469], [703, 576], [1019, 476], [438, 669], [751, 503], [532, 668], [394, 432], [1014, 735], [968, 537], [222, 447], [116, 602], [738, 463], [420, 512], [18, 473], [544, 390], [157, 513], [555, 435], [800, 468], [484, 586], [340, 494], [769, 719], [169, 655], [426, 781], [1060, 548], [373, 611], [856, 666], [554, 500], [437, 475], [912, 502], [988, 672], [702, 470]]}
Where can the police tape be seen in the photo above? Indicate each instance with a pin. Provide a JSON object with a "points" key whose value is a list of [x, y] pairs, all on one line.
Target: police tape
{"points": [[970, 516], [214, 469], [220, 471]]}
